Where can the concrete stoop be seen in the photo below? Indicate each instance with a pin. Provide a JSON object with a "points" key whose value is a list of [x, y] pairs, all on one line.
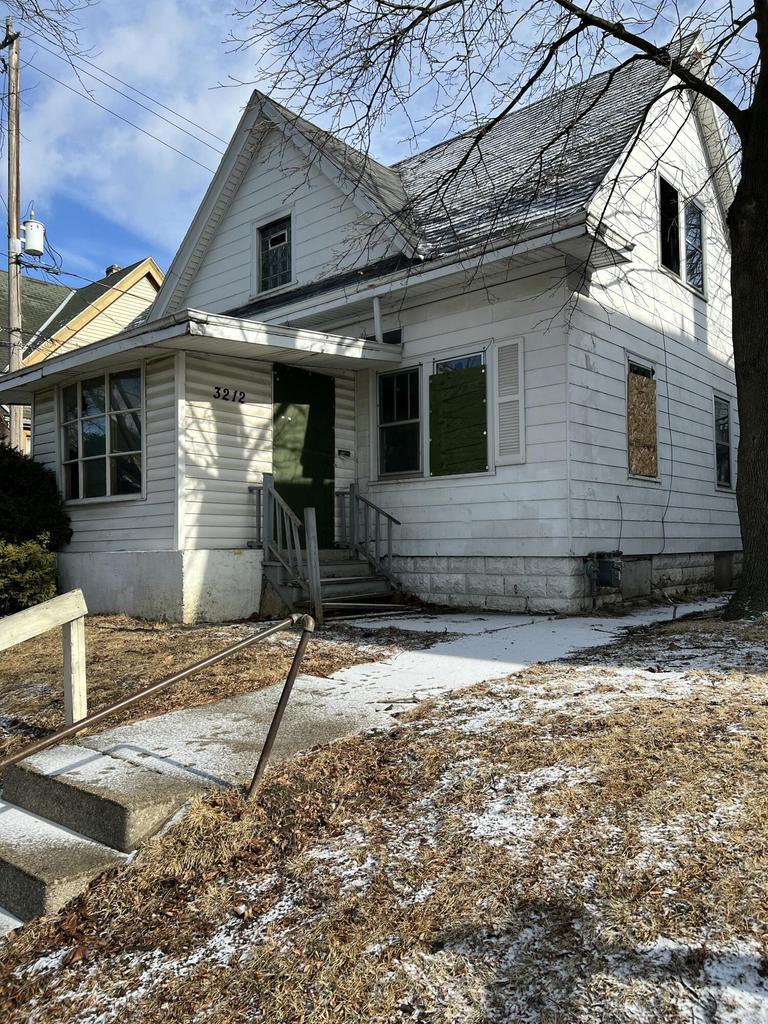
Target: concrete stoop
{"points": [[69, 813]]}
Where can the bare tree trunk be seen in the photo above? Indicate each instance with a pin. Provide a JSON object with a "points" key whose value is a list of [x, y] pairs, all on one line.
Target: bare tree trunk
{"points": [[748, 224]]}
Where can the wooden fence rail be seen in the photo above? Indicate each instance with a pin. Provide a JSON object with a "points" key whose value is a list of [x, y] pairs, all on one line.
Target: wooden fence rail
{"points": [[68, 611]]}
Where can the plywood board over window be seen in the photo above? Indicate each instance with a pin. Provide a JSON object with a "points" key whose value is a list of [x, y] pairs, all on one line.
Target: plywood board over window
{"points": [[641, 422], [458, 434]]}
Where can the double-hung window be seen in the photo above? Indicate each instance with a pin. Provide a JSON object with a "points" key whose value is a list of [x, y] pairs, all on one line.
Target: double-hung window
{"points": [[275, 254], [399, 423], [101, 427], [723, 442], [691, 226]]}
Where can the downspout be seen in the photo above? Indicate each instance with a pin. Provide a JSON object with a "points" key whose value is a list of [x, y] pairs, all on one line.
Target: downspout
{"points": [[378, 333]]}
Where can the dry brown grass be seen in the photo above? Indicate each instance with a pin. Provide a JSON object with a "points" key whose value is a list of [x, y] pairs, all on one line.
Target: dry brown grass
{"points": [[125, 654], [367, 883]]}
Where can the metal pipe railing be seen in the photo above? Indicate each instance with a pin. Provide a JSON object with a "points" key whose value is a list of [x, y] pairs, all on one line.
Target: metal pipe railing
{"points": [[307, 626]]}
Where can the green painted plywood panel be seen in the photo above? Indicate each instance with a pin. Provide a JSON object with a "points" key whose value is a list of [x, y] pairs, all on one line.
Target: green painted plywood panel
{"points": [[458, 427]]}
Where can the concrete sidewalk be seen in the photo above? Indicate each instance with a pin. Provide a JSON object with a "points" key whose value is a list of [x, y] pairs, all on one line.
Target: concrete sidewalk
{"points": [[69, 812], [219, 744]]}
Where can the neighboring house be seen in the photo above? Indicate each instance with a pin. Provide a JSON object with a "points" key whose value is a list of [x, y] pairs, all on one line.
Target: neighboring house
{"points": [[531, 370], [57, 319]]}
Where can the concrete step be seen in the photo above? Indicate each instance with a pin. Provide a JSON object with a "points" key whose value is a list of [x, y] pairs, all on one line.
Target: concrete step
{"points": [[42, 865], [354, 587], [103, 798]]}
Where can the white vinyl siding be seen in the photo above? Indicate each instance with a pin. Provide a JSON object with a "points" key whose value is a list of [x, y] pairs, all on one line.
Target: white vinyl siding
{"points": [[516, 509], [642, 312], [130, 525], [510, 402], [227, 447], [328, 234]]}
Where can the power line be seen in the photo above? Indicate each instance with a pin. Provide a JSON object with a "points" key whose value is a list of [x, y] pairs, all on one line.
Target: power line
{"points": [[85, 96], [133, 88], [143, 106]]}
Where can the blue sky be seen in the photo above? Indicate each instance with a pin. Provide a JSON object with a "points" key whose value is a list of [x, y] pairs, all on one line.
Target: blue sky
{"points": [[107, 193]]}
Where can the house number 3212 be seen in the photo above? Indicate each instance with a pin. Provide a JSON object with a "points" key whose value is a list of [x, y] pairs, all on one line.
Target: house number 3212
{"points": [[228, 394]]}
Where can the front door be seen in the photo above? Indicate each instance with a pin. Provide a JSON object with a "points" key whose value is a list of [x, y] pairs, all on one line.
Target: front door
{"points": [[303, 446]]}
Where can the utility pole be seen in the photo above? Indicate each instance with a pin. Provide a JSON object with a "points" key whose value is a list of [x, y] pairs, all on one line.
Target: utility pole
{"points": [[15, 346]]}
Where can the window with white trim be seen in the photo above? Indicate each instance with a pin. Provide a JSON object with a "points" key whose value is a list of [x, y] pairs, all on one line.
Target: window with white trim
{"points": [[510, 402], [101, 435], [683, 256], [399, 414], [275, 254], [723, 474]]}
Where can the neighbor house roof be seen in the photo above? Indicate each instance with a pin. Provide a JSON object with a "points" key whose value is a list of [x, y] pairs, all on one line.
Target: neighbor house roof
{"points": [[84, 304], [39, 301]]}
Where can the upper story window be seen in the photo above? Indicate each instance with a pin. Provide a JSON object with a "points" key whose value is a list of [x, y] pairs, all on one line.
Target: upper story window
{"points": [[691, 226], [102, 427], [669, 225], [275, 254]]}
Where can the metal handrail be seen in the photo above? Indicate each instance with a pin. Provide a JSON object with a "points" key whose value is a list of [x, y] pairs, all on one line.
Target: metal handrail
{"points": [[307, 624]]}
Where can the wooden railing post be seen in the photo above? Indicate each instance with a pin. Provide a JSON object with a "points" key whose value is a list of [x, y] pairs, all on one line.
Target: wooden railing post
{"points": [[313, 565], [75, 690], [268, 506], [389, 545]]}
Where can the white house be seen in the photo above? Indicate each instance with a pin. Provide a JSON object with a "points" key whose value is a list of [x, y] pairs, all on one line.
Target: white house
{"points": [[525, 364]]}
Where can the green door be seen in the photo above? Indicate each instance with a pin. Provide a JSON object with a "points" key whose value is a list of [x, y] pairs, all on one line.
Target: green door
{"points": [[303, 444]]}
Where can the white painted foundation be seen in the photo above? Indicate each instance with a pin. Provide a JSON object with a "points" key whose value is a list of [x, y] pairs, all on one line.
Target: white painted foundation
{"points": [[176, 586]]}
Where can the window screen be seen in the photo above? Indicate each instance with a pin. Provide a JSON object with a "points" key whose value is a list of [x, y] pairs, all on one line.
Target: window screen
{"points": [[275, 254], [399, 422], [641, 421], [723, 441], [669, 225]]}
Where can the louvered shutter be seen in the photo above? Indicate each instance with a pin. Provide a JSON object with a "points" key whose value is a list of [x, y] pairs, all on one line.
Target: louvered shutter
{"points": [[510, 402]]}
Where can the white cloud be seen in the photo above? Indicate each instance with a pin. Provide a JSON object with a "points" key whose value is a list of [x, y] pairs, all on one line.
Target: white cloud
{"points": [[72, 150]]}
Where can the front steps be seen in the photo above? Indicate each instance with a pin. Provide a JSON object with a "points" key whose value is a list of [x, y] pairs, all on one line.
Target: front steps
{"points": [[69, 813], [348, 585]]}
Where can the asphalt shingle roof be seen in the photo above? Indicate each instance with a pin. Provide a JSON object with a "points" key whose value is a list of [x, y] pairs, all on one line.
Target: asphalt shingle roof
{"points": [[82, 298], [540, 163], [39, 301]]}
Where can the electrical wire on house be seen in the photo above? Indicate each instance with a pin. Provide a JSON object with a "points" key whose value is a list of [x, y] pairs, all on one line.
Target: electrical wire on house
{"points": [[132, 124], [133, 88], [155, 113]]}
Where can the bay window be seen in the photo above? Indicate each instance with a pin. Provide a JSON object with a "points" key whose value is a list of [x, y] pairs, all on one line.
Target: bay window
{"points": [[101, 435]]}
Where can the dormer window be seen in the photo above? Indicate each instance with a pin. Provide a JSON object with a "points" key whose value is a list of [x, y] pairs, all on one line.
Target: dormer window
{"points": [[275, 254], [691, 226]]}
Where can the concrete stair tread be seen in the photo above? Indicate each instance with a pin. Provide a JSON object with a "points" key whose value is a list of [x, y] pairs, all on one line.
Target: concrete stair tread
{"points": [[107, 799], [43, 865]]}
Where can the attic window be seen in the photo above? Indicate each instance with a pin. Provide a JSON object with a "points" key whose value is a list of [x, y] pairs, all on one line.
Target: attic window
{"points": [[275, 254], [669, 225]]}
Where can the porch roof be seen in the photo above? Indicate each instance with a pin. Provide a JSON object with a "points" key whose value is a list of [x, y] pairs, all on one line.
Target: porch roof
{"points": [[191, 330]]}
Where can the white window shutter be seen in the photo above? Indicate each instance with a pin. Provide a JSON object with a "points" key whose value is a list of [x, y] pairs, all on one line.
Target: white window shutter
{"points": [[510, 402]]}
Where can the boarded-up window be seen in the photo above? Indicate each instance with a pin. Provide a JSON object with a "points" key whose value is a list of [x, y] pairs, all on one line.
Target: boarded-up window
{"points": [[458, 430], [641, 421], [510, 403]]}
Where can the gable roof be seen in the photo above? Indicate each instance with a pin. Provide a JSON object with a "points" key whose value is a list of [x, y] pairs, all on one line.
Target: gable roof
{"points": [[539, 166], [39, 301], [83, 304], [539, 163]]}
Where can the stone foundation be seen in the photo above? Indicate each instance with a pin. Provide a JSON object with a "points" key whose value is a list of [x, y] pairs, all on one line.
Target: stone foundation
{"points": [[557, 585]]}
